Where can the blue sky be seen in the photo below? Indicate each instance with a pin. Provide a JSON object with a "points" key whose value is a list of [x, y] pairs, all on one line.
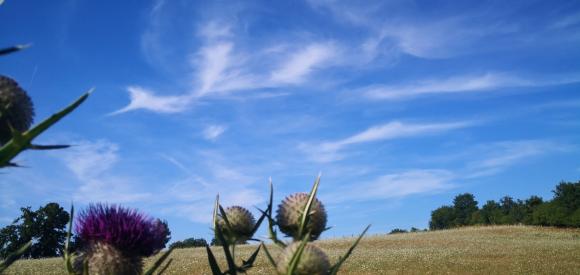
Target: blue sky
{"points": [[400, 104]]}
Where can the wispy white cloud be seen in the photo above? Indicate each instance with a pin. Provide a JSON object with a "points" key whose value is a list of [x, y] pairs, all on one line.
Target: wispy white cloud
{"points": [[152, 46], [222, 65], [403, 26], [462, 84], [301, 64], [396, 185], [487, 159], [494, 158], [349, 12], [7, 201], [145, 99], [91, 163], [567, 21], [330, 150], [176, 163], [199, 205], [482, 161], [435, 38], [88, 160], [561, 104], [193, 196], [215, 30], [215, 61]]}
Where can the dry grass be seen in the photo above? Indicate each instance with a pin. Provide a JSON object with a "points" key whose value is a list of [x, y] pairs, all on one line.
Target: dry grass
{"points": [[473, 250]]}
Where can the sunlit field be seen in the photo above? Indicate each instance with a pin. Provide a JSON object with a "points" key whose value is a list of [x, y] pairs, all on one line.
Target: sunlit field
{"points": [[481, 250]]}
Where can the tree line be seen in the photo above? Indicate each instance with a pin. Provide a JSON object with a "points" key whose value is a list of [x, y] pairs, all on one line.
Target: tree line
{"points": [[562, 211]]}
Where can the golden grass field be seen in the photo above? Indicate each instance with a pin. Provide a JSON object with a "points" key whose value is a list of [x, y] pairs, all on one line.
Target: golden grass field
{"points": [[471, 250]]}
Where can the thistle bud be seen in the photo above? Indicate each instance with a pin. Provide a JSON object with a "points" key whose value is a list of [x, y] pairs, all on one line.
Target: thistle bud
{"points": [[16, 109], [241, 222], [117, 239], [313, 261], [290, 212]]}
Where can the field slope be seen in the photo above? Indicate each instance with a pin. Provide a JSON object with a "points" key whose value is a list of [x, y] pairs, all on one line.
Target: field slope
{"points": [[472, 250]]}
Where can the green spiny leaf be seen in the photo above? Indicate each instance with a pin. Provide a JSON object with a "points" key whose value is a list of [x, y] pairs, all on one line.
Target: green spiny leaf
{"points": [[12, 257], [271, 223], [247, 264], [159, 261], [215, 269], [215, 211], [47, 147], [162, 270], [306, 212], [229, 259], [13, 49], [225, 218], [258, 223], [20, 142], [67, 255], [341, 260], [269, 256], [297, 254]]}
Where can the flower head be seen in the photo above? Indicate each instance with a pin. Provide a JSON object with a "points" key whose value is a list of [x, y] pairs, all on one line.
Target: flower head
{"points": [[129, 231], [290, 213], [241, 223], [313, 261], [16, 109]]}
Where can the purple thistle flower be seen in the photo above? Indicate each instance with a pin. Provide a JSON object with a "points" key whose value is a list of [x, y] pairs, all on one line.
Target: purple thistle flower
{"points": [[133, 233]]}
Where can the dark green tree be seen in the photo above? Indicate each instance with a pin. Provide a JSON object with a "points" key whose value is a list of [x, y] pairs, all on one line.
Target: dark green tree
{"points": [[530, 206], [9, 240], [215, 242], [464, 206], [398, 231], [442, 218], [166, 225], [45, 227], [550, 214], [567, 195], [563, 209], [491, 213], [190, 242]]}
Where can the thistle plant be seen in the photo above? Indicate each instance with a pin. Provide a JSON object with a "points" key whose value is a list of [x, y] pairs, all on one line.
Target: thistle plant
{"points": [[16, 117], [233, 225], [116, 240], [302, 217]]}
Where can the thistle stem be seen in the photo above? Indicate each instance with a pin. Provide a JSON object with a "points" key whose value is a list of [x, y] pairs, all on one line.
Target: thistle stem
{"points": [[234, 251]]}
